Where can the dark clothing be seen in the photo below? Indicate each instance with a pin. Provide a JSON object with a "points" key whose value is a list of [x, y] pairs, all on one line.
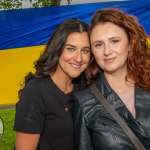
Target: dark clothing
{"points": [[44, 109], [95, 129]]}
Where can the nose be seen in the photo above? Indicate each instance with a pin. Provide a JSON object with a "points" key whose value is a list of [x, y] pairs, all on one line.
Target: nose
{"points": [[107, 49], [78, 57]]}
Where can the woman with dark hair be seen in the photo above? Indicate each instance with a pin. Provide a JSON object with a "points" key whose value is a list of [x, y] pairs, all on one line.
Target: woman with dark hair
{"points": [[43, 118], [120, 69]]}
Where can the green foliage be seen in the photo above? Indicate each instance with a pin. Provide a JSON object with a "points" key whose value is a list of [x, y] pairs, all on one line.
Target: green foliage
{"points": [[43, 3], [7, 141], [16, 4], [10, 4]]}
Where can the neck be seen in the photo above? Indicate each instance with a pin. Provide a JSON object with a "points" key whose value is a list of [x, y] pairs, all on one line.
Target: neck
{"points": [[118, 82], [63, 83], [116, 76]]}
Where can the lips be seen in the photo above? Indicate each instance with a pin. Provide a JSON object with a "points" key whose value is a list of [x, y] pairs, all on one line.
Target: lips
{"points": [[76, 66], [109, 60]]}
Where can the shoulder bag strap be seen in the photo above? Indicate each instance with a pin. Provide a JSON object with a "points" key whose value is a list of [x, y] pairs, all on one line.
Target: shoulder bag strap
{"points": [[136, 142]]}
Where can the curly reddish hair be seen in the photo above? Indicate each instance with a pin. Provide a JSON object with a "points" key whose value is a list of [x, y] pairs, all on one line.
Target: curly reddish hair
{"points": [[138, 63]]}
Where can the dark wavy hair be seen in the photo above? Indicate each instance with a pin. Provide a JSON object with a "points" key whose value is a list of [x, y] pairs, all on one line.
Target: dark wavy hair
{"points": [[48, 61], [138, 63]]}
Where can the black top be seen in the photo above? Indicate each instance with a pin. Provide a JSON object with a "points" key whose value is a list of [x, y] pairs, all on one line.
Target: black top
{"points": [[44, 109]]}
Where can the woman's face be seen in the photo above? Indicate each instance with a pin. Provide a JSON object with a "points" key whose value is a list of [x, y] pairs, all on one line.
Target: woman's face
{"points": [[110, 47], [75, 56]]}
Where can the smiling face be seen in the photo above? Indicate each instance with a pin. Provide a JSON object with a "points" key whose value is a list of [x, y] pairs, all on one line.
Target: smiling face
{"points": [[75, 56], [110, 47]]}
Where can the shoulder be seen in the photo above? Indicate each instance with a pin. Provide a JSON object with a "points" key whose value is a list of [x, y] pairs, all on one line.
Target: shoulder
{"points": [[84, 103], [32, 92], [35, 84], [83, 94], [85, 97], [31, 86], [79, 84]]}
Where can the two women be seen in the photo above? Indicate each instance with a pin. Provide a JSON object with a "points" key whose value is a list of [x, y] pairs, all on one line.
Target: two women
{"points": [[121, 71]]}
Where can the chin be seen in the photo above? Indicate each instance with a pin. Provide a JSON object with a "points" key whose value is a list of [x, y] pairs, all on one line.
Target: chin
{"points": [[109, 71], [74, 75]]}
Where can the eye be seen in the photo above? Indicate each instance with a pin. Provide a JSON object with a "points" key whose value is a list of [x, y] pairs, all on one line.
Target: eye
{"points": [[115, 41], [70, 49], [97, 45], [85, 51]]}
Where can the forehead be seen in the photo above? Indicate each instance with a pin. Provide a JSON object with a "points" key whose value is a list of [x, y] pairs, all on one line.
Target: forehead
{"points": [[78, 37], [107, 30], [77, 34]]}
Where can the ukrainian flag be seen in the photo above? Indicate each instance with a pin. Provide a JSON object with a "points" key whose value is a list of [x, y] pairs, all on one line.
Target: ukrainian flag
{"points": [[24, 33]]}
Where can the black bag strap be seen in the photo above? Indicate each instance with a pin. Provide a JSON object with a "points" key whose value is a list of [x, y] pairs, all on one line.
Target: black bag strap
{"points": [[136, 142]]}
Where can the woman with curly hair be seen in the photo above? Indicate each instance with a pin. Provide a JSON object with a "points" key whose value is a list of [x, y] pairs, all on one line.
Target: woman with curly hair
{"points": [[120, 69], [43, 118]]}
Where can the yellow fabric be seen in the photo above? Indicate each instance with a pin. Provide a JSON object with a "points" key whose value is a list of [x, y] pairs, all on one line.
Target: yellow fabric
{"points": [[14, 65]]}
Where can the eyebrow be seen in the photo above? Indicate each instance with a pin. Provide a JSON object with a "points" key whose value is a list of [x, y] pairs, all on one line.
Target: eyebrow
{"points": [[115, 37], [70, 45], [75, 46], [87, 47], [111, 38]]}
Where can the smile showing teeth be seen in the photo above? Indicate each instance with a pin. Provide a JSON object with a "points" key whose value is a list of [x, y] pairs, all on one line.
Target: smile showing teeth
{"points": [[75, 66]]}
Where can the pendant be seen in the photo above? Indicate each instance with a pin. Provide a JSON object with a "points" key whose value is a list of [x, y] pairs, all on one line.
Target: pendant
{"points": [[66, 109], [120, 91]]}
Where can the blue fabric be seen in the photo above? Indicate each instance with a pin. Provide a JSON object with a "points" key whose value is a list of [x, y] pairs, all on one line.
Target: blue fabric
{"points": [[31, 27]]}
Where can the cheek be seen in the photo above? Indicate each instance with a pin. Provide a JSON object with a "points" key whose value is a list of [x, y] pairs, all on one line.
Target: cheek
{"points": [[86, 58], [64, 56], [123, 48], [124, 52], [97, 54]]}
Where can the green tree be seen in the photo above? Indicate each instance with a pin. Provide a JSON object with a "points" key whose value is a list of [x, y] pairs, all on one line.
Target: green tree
{"points": [[17, 4], [43, 3], [10, 4]]}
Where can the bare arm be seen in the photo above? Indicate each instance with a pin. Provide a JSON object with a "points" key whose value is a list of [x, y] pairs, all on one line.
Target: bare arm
{"points": [[26, 141]]}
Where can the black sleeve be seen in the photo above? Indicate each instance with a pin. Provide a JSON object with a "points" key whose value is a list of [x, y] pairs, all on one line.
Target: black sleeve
{"points": [[30, 113]]}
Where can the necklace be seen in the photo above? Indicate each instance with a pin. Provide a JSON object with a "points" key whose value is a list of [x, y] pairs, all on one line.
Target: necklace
{"points": [[120, 91]]}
